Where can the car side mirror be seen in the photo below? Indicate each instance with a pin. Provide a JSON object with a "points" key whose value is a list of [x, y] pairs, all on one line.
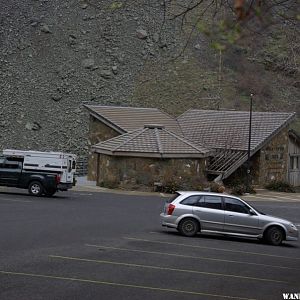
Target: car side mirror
{"points": [[252, 212]]}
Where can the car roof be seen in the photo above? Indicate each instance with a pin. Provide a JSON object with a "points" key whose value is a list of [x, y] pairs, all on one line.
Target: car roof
{"points": [[191, 193]]}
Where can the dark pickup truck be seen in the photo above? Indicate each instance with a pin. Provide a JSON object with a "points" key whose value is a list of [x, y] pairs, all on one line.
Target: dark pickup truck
{"points": [[38, 183]]}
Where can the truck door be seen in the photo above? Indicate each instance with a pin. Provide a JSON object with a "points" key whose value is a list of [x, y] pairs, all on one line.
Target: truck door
{"points": [[10, 172]]}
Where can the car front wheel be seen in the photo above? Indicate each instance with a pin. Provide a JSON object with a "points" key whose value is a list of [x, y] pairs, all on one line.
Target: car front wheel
{"points": [[188, 227], [274, 236]]}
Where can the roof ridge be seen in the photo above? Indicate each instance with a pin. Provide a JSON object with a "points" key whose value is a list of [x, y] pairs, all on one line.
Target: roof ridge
{"points": [[236, 111], [185, 141], [142, 130], [183, 114], [114, 106], [158, 141]]}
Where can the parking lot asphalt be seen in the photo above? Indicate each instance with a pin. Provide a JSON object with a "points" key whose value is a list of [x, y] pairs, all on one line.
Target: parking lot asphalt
{"points": [[89, 245]]}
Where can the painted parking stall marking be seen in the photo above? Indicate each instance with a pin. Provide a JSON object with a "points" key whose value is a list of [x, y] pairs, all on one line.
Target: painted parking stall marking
{"points": [[97, 282], [164, 268], [190, 256], [211, 248]]}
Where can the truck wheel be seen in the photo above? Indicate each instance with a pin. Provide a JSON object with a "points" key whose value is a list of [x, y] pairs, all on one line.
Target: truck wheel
{"points": [[35, 188]]}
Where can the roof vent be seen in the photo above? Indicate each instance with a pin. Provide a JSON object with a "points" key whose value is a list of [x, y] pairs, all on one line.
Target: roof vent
{"points": [[152, 126]]}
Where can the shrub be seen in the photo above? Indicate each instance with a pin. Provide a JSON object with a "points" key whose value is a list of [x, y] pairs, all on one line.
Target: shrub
{"points": [[171, 186], [280, 186], [241, 189], [216, 187]]}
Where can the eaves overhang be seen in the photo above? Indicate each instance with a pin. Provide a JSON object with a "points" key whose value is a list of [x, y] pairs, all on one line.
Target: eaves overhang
{"points": [[104, 120]]}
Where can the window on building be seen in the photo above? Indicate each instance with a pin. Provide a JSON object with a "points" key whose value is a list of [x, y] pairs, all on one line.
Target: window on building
{"points": [[294, 162]]}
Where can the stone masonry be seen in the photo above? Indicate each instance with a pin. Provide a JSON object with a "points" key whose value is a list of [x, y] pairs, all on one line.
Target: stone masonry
{"points": [[97, 132], [134, 172]]}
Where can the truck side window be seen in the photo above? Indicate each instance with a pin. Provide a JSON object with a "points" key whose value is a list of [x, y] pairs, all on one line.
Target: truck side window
{"points": [[12, 165], [2, 162]]}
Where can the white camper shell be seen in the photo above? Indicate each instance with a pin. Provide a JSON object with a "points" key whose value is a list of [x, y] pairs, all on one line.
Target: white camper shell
{"points": [[56, 162]]}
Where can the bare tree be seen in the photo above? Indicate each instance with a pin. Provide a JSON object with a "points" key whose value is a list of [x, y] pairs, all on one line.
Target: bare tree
{"points": [[227, 22]]}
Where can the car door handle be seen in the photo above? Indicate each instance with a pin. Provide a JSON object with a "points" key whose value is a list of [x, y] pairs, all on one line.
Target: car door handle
{"points": [[230, 215]]}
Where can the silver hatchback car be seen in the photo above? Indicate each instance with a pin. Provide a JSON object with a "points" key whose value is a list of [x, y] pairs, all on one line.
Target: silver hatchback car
{"points": [[192, 212]]}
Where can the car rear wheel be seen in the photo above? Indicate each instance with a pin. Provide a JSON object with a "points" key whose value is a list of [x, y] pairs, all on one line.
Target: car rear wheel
{"points": [[35, 188], [275, 236], [188, 227]]}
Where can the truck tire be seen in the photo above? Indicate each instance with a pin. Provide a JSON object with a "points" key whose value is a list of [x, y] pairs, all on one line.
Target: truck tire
{"points": [[50, 193], [35, 188]]}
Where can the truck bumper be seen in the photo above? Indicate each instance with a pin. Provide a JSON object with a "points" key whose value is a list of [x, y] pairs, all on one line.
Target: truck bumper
{"points": [[64, 186]]}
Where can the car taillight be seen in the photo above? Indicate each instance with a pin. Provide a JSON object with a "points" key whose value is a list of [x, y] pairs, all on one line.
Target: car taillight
{"points": [[57, 179], [171, 208]]}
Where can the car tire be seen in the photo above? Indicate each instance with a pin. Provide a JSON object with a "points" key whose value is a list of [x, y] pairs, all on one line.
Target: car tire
{"points": [[35, 188], [274, 236], [188, 227]]}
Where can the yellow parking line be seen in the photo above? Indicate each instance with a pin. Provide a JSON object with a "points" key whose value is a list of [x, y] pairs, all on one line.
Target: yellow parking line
{"points": [[191, 256], [165, 268], [150, 288], [211, 248]]}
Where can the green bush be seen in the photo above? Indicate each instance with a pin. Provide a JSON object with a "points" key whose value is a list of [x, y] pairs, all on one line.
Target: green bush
{"points": [[280, 186]]}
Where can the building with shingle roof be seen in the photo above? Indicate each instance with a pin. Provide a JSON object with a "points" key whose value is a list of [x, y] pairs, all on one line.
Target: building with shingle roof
{"points": [[228, 133], [126, 119], [151, 154], [218, 140], [230, 129], [151, 141]]}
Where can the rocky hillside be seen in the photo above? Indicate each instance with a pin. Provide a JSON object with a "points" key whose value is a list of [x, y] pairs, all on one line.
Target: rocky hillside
{"points": [[56, 55]]}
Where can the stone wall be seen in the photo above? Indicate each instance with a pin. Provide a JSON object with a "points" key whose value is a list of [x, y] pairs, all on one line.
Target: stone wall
{"points": [[270, 163], [273, 160], [145, 173], [97, 132]]}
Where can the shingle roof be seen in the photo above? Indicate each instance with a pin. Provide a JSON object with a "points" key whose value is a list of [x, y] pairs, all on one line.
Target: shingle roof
{"points": [[126, 119], [295, 135], [151, 141], [230, 129]]}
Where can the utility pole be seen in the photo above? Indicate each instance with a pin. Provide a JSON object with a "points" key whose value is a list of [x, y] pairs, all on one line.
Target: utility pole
{"points": [[249, 144]]}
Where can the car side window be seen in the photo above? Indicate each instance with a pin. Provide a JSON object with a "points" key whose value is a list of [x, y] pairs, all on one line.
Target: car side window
{"points": [[213, 202], [236, 206], [192, 200]]}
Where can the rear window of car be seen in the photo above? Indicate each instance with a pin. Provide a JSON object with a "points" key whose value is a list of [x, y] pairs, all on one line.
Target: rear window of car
{"points": [[172, 198], [192, 200], [213, 202]]}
